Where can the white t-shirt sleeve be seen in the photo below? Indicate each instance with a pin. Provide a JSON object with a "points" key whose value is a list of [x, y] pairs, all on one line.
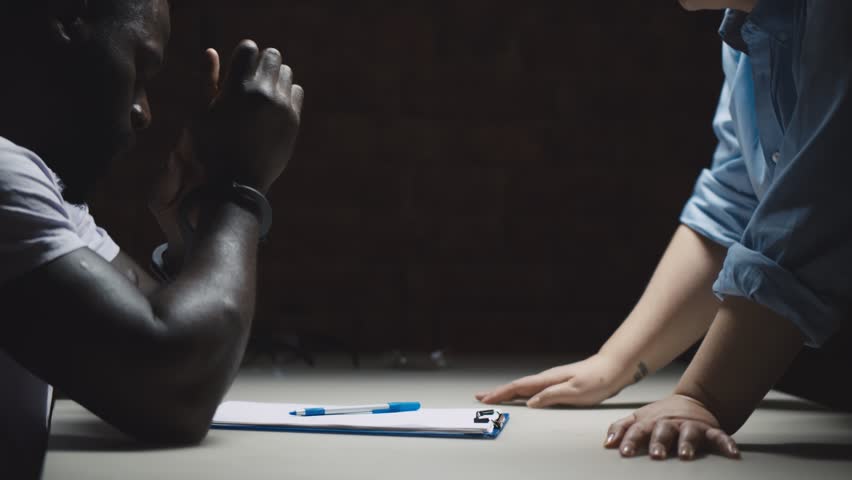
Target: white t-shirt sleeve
{"points": [[95, 237], [36, 225]]}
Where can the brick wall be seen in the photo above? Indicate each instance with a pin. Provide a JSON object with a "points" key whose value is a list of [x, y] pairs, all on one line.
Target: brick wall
{"points": [[466, 167]]}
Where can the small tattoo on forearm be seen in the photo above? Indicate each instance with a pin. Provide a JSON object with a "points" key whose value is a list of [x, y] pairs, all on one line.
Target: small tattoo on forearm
{"points": [[641, 372]]}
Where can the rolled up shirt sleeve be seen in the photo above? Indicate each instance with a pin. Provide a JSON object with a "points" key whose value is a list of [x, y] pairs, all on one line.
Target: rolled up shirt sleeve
{"points": [[795, 256], [724, 200]]}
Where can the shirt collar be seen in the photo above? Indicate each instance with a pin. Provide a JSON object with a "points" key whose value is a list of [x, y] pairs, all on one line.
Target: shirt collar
{"points": [[775, 17], [731, 29]]}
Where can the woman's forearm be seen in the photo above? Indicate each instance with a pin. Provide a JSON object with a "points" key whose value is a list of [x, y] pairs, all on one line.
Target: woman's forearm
{"points": [[676, 309], [746, 350]]}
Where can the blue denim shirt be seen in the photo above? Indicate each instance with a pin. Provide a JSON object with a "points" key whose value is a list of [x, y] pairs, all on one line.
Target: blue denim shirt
{"points": [[779, 192]]}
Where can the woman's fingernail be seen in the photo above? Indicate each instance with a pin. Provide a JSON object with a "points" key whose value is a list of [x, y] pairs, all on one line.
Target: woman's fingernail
{"points": [[533, 402], [658, 452], [687, 453], [627, 450], [609, 439]]}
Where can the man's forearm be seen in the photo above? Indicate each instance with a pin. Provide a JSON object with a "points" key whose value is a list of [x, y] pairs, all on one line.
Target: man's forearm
{"points": [[204, 316], [218, 276], [154, 366], [676, 308], [746, 351], [222, 264]]}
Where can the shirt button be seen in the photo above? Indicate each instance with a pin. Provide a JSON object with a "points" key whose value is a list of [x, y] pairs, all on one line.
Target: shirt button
{"points": [[776, 157]]}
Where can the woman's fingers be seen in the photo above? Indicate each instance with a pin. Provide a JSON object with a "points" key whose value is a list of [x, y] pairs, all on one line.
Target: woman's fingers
{"points": [[722, 443], [632, 436], [505, 393], [663, 439], [617, 430], [676, 421], [522, 388], [565, 393], [635, 439], [692, 435]]}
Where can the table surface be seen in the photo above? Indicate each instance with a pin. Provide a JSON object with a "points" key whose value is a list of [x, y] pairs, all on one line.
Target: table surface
{"points": [[785, 438]]}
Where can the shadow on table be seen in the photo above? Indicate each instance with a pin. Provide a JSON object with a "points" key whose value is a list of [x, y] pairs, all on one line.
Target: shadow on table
{"points": [[96, 436], [809, 451]]}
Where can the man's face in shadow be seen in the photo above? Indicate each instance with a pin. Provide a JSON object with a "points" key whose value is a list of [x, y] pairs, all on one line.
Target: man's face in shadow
{"points": [[103, 74]]}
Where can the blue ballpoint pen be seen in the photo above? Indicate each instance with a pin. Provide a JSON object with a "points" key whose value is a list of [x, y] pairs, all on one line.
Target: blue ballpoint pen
{"points": [[392, 407]]}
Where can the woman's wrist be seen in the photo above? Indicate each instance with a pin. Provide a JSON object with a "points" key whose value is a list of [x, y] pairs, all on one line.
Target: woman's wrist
{"points": [[629, 370], [637, 360]]}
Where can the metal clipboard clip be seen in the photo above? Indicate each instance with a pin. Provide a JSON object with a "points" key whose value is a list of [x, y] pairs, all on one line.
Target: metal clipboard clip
{"points": [[492, 415]]}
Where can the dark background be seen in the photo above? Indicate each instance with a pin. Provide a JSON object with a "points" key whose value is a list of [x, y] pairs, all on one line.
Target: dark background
{"points": [[482, 175]]}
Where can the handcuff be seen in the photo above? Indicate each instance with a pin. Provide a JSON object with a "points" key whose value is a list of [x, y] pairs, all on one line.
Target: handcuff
{"points": [[243, 196]]}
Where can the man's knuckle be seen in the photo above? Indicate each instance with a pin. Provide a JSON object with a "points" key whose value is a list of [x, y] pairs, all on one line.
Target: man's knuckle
{"points": [[272, 52]]}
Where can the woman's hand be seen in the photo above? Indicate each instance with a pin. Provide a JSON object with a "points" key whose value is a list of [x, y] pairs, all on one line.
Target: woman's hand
{"points": [[676, 424], [579, 384]]}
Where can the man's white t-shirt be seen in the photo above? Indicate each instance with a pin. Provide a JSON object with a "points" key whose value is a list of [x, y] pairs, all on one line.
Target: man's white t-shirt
{"points": [[37, 226]]}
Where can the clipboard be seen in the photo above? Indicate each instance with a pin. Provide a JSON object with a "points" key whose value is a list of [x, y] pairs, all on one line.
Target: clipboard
{"points": [[471, 423]]}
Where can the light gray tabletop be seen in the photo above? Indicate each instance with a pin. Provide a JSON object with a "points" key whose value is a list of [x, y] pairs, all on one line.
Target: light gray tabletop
{"points": [[786, 438]]}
